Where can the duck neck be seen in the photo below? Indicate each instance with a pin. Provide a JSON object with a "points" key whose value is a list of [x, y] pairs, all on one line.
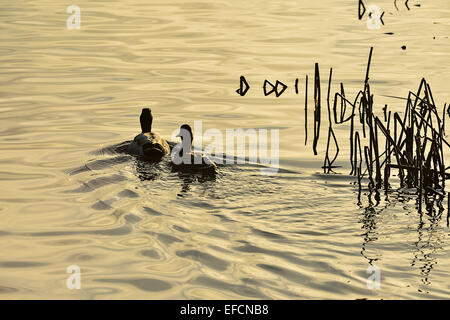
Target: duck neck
{"points": [[186, 146], [146, 120]]}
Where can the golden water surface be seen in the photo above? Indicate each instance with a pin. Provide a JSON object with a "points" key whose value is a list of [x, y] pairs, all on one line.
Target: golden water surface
{"points": [[142, 232]]}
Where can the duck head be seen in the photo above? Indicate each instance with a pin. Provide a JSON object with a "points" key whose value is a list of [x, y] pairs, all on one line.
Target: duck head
{"points": [[186, 133], [186, 137], [146, 119]]}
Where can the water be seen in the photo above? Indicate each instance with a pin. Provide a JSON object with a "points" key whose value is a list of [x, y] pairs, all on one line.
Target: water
{"points": [[142, 232]]}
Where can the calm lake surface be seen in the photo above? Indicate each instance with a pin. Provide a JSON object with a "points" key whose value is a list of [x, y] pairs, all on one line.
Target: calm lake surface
{"points": [[140, 231]]}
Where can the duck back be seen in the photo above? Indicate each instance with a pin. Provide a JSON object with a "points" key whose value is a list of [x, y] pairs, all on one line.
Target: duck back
{"points": [[149, 145], [199, 163]]}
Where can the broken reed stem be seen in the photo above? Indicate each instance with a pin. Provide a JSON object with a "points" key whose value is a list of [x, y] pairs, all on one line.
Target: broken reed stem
{"points": [[328, 165], [306, 110], [368, 66], [419, 162], [317, 108]]}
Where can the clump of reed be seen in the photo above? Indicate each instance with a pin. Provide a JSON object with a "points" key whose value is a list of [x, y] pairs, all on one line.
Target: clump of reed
{"points": [[412, 143]]}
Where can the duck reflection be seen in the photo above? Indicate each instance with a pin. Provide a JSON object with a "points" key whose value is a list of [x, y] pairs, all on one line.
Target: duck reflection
{"points": [[188, 179], [148, 171]]}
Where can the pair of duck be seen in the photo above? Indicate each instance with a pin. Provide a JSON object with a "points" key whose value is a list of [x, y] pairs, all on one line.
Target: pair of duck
{"points": [[152, 147]]}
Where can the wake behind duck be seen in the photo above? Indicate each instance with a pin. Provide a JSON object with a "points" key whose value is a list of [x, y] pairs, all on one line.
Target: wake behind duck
{"points": [[153, 150]]}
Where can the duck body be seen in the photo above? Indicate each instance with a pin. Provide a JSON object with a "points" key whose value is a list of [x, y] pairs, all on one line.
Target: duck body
{"points": [[191, 162], [199, 163], [148, 145]]}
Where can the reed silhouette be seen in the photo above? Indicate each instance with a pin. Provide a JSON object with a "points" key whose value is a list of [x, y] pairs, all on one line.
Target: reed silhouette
{"points": [[414, 146]]}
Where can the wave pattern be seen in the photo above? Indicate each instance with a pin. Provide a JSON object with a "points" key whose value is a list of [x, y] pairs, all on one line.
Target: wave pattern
{"points": [[141, 231]]}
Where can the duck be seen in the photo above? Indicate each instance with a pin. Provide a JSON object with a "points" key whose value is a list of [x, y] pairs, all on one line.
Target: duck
{"points": [[193, 162], [148, 145]]}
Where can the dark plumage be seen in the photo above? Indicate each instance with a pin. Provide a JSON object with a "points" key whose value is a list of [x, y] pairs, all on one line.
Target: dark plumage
{"points": [[149, 145], [192, 161]]}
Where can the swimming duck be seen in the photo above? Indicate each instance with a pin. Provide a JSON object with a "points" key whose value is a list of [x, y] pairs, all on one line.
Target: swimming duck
{"points": [[149, 145], [192, 161]]}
